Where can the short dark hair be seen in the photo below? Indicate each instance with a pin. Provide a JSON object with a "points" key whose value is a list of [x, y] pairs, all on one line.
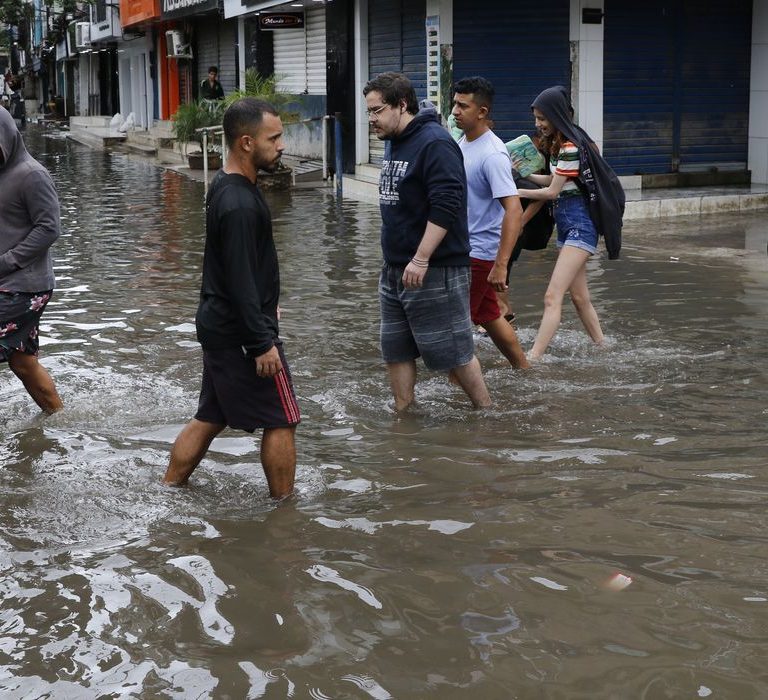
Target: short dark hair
{"points": [[213, 69], [243, 115], [394, 88], [480, 88]]}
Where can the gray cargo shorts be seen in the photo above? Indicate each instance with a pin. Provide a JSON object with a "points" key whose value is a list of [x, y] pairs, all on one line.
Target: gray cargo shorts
{"points": [[432, 322]]}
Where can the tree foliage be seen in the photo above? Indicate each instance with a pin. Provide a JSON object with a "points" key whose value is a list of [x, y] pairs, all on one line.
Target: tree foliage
{"points": [[11, 12]]}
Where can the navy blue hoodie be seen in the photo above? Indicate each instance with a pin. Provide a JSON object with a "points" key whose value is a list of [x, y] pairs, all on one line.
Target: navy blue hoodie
{"points": [[422, 179]]}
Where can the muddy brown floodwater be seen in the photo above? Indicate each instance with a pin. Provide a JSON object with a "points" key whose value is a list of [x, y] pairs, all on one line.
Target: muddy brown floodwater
{"points": [[445, 554]]}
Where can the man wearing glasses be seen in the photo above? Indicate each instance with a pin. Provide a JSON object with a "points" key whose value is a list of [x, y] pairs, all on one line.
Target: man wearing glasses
{"points": [[424, 285]]}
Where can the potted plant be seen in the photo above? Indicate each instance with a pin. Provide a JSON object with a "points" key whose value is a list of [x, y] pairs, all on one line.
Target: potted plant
{"points": [[188, 119]]}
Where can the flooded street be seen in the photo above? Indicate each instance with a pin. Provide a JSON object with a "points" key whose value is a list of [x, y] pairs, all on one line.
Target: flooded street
{"points": [[446, 554]]}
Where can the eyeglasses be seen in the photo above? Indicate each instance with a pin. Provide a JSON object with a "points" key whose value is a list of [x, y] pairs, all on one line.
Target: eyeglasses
{"points": [[375, 112]]}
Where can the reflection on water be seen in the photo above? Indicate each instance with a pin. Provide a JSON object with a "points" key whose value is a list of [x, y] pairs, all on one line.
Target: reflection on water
{"points": [[443, 554]]}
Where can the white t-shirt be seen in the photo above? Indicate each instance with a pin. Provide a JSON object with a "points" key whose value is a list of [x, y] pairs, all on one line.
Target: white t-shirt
{"points": [[489, 177]]}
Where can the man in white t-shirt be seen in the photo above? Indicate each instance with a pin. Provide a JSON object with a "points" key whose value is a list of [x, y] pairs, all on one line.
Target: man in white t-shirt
{"points": [[493, 209]]}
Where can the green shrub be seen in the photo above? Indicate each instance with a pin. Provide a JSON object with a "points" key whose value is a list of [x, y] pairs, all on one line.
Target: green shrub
{"points": [[196, 115]]}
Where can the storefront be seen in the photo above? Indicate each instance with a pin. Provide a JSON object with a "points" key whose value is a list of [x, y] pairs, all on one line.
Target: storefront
{"points": [[67, 75], [136, 61], [677, 76], [397, 41], [105, 30], [210, 40], [521, 48], [289, 41]]}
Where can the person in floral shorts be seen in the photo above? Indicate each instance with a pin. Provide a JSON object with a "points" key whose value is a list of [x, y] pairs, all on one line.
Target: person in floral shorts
{"points": [[28, 227]]}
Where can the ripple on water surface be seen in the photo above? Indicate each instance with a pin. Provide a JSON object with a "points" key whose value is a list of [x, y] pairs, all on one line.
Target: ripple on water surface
{"points": [[438, 554]]}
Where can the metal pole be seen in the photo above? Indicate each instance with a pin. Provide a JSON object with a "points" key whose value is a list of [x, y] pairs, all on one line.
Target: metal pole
{"points": [[339, 161], [326, 119], [205, 164]]}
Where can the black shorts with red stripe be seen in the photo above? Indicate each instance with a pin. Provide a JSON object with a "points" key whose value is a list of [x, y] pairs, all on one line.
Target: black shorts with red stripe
{"points": [[233, 394]]}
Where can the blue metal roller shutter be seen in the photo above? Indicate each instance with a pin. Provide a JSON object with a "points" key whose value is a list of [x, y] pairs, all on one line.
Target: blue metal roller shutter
{"points": [[638, 86], [521, 48], [714, 105], [397, 41], [680, 98]]}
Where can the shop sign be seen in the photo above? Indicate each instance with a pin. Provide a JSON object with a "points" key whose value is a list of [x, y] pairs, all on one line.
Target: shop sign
{"points": [[281, 20], [173, 9]]}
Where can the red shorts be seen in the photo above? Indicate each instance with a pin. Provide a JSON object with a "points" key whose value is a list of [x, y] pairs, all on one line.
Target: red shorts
{"points": [[482, 296]]}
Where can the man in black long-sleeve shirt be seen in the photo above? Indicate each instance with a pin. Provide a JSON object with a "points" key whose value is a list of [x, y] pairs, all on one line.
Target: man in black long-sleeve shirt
{"points": [[246, 381]]}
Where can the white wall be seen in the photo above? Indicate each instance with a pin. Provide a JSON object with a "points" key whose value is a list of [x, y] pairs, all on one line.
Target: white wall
{"points": [[587, 78], [758, 94], [361, 78], [135, 83]]}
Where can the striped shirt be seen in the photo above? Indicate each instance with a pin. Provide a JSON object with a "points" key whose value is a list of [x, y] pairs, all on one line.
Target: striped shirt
{"points": [[567, 163]]}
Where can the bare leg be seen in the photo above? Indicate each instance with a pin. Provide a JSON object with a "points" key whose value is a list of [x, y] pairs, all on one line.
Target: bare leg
{"points": [[470, 378], [402, 379], [570, 261], [190, 447], [36, 380], [583, 303], [278, 459], [505, 339]]}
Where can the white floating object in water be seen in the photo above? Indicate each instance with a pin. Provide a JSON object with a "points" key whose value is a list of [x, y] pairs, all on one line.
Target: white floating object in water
{"points": [[618, 582], [547, 583]]}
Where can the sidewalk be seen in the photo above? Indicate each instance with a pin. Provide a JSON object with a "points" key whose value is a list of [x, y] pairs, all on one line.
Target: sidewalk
{"points": [[659, 203], [363, 185], [641, 203]]}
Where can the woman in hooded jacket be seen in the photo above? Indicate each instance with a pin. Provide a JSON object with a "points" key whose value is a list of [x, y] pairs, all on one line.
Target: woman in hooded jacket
{"points": [[576, 233]]}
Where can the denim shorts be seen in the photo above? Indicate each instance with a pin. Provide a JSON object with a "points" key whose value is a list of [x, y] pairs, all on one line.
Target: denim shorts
{"points": [[574, 224], [431, 322]]}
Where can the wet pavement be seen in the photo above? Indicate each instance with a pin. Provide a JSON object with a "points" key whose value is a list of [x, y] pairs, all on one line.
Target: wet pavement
{"points": [[445, 554]]}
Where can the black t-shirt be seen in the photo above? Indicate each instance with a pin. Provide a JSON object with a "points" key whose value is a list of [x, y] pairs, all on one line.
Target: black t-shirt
{"points": [[241, 277], [211, 92]]}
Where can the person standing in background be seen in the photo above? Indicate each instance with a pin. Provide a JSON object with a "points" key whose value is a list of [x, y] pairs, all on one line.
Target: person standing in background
{"points": [[210, 88]]}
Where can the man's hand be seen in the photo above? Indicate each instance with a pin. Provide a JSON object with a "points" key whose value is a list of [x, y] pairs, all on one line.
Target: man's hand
{"points": [[414, 273], [498, 277], [268, 364]]}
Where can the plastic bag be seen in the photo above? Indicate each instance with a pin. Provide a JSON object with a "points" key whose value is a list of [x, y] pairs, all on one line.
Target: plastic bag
{"points": [[526, 158]]}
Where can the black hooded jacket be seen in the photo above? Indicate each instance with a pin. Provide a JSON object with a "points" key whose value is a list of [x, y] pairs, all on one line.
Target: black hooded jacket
{"points": [[597, 180]]}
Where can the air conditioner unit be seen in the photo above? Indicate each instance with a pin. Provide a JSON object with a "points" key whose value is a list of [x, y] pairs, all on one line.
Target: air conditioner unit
{"points": [[177, 47], [82, 35]]}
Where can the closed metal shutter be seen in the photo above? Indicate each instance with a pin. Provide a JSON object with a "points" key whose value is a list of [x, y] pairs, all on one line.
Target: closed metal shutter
{"points": [[676, 85], [522, 48], [300, 56], [714, 91], [397, 41], [638, 86], [217, 46]]}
